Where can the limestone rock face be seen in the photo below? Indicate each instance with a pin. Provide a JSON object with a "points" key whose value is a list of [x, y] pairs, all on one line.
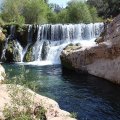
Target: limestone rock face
{"points": [[2, 74], [53, 112], [102, 60]]}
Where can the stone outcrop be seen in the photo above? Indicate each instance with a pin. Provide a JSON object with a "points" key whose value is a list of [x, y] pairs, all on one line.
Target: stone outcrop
{"points": [[2, 74], [102, 59], [53, 112]]}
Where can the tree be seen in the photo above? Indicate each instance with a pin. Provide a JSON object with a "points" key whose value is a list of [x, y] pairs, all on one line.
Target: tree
{"points": [[35, 11], [28, 11], [62, 16], [94, 14], [78, 12], [52, 17], [113, 8], [106, 8], [10, 11]]}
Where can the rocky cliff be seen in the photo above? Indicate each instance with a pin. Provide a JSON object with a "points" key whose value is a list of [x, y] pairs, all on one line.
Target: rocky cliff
{"points": [[102, 60]]}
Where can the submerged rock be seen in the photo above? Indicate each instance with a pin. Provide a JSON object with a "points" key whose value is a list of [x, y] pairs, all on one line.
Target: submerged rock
{"points": [[101, 60]]}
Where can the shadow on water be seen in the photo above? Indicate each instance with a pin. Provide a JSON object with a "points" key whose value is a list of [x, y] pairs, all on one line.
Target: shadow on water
{"points": [[90, 97], [99, 99]]}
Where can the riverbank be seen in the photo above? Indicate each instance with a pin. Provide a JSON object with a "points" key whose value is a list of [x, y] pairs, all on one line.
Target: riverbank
{"points": [[52, 110], [102, 59]]}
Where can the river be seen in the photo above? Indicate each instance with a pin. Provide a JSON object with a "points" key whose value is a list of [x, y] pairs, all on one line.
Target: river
{"points": [[90, 97]]}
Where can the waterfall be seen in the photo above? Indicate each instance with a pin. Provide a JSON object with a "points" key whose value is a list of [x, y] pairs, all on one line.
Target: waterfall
{"points": [[11, 36], [58, 36], [29, 40], [50, 40], [5, 48], [17, 51]]}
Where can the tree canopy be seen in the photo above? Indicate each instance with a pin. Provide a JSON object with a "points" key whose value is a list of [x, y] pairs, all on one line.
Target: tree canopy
{"points": [[24, 11], [76, 12], [39, 11], [106, 8]]}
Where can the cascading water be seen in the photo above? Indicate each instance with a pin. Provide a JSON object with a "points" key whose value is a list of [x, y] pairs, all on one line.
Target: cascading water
{"points": [[4, 50], [51, 39], [12, 31], [58, 36], [17, 49]]}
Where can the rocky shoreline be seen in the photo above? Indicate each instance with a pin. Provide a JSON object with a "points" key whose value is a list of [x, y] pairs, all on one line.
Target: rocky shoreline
{"points": [[53, 112], [102, 59]]}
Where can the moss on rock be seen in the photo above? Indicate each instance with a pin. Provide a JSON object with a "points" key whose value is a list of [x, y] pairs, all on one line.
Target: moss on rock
{"points": [[28, 55]]}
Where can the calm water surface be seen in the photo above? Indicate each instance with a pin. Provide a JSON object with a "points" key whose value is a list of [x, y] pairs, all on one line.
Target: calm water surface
{"points": [[90, 97]]}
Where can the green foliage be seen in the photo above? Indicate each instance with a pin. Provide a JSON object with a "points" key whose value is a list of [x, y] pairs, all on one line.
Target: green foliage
{"points": [[73, 115], [63, 16], [21, 107], [25, 11], [2, 37], [38, 12], [28, 56], [52, 17], [106, 8], [75, 12], [1, 22], [11, 11], [35, 11], [94, 15]]}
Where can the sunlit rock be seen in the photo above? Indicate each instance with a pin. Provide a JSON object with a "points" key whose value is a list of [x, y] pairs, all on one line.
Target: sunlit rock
{"points": [[53, 112], [102, 60], [2, 74]]}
